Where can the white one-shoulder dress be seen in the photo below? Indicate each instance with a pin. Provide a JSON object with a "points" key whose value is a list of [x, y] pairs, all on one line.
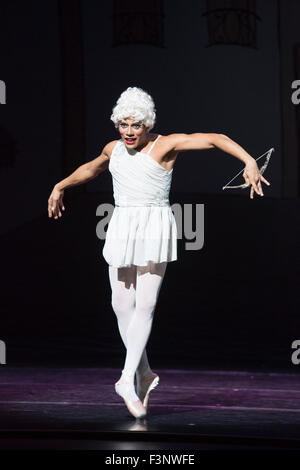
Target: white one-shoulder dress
{"points": [[142, 227]]}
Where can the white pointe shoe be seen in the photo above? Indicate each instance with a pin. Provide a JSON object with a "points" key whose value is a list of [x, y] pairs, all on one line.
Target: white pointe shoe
{"points": [[145, 386], [135, 407]]}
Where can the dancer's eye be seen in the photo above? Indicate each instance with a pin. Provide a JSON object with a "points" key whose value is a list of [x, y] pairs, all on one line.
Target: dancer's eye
{"points": [[136, 126]]}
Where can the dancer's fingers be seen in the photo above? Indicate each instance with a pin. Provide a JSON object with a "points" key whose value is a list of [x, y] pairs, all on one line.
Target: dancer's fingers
{"points": [[264, 180], [260, 188]]}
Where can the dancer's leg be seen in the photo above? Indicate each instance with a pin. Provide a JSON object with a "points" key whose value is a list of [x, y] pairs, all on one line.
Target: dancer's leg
{"points": [[123, 286], [135, 336], [148, 283]]}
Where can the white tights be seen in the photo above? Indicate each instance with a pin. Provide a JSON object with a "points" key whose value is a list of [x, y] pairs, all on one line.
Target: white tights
{"points": [[135, 291]]}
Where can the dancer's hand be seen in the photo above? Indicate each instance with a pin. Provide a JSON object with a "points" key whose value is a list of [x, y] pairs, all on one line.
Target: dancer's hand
{"points": [[253, 177], [55, 203]]}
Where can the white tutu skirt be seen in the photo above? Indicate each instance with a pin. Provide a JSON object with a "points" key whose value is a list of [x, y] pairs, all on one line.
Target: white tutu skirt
{"points": [[137, 235]]}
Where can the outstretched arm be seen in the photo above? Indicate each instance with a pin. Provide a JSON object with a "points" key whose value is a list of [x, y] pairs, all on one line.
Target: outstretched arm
{"points": [[82, 174], [203, 141]]}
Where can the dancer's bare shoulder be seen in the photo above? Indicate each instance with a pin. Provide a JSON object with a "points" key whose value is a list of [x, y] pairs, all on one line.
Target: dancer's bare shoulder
{"points": [[164, 151], [100, 163], [107, 150]]}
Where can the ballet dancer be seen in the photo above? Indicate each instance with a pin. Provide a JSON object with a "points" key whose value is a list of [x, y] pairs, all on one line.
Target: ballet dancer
{"points": [[141, 237]]}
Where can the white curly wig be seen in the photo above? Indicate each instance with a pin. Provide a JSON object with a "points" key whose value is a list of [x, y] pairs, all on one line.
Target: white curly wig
{"points": [[137, 103]]}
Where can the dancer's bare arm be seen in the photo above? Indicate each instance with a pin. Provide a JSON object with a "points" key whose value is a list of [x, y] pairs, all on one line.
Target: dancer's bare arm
{"points": [[82, 174], [203, 141]]}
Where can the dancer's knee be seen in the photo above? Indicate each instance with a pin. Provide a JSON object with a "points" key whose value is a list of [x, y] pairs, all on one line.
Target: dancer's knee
{"points": [[121, 304], [146, 307]]}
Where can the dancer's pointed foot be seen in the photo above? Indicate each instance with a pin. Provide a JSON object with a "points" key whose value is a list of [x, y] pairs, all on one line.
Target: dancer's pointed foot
{"points": [[144, 386], [132, 401]]}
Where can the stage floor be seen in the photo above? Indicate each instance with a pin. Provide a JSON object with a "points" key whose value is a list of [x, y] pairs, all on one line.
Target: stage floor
{"points": [[77, 408]]}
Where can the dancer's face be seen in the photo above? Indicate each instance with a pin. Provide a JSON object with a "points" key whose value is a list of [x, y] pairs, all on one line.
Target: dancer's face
{"points": [[134, 133]]}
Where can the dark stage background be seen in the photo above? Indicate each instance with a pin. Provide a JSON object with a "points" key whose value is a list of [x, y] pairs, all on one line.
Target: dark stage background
{"points": [[231, 305]]}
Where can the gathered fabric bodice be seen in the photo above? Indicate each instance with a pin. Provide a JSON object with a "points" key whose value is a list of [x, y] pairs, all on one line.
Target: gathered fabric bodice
{"points": [[138, 179]]}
